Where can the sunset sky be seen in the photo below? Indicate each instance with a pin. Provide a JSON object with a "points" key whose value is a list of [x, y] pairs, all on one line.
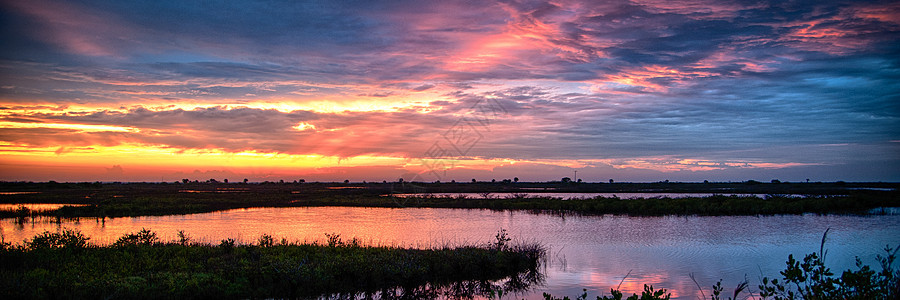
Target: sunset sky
{"points": [[643, 90]]}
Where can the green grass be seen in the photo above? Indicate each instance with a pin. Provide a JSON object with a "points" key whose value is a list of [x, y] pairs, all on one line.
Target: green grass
{"points": [[139, 266]]}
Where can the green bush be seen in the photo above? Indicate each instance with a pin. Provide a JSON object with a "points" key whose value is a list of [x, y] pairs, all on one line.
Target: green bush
{"points": [[66, 238], [811, 279], [266, 241], [144, 237]]}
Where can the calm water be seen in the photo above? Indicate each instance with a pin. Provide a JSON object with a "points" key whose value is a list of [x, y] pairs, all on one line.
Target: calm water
{"points": [[585, 252], [580, 195]]}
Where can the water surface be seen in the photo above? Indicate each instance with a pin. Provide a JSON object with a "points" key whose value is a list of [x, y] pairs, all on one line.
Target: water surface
{"points": [[580, 195], [593, 252]]}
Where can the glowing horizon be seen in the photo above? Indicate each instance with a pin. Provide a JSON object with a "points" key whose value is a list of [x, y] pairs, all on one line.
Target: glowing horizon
{"points": [[628, 90]]}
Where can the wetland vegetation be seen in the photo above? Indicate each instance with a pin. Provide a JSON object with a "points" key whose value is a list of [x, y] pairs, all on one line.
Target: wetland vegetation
{"points": [[809, 278], [141, 199], [139, 265], [65, 264]]}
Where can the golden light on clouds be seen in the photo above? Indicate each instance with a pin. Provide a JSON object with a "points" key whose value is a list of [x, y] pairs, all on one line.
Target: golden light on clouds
{"points": [[636, 90], [79, 127]]}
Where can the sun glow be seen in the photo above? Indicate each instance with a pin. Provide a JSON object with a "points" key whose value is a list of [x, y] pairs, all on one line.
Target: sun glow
{"points": [[304, 126], [80, 127], [148, 155]]}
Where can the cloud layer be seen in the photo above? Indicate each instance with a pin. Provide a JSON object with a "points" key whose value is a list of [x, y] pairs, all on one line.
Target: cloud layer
{"points": [[698, 87]]}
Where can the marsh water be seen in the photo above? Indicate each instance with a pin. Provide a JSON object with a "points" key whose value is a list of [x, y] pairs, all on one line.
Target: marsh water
{"points": [[590, 252], [566, 195]]}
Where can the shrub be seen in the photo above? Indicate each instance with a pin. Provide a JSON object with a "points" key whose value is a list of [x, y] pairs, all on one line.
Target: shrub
{"points": [[183, 239], [501, 240], [811, 279], [144, 237], [67, 238], [227, 243], [266, 241], [334, 239]]}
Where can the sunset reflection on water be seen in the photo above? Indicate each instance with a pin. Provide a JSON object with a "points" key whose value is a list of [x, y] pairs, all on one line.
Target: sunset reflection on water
{"points": [[592, 252]]}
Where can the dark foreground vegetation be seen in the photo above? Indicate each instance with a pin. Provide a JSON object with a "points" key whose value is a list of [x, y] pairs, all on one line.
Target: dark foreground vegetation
{"points": [[808, 279], [141, 199], [139, 266]]}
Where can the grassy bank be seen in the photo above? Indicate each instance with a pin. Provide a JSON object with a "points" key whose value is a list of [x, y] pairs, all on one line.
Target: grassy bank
{"points": [[706, 206], [138, 265], [142, 199]]}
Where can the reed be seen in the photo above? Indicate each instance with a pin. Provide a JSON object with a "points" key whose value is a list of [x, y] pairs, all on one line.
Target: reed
{"points": [[139, 265]]}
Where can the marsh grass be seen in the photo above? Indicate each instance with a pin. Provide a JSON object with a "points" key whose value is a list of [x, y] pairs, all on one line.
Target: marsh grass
{"points": [[716, 205], [98, 200], [140, 265]]}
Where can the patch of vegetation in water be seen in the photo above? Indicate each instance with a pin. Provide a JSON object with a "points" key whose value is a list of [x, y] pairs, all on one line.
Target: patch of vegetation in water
{"points": [[139, 266], [98, 200], [716, 205]]}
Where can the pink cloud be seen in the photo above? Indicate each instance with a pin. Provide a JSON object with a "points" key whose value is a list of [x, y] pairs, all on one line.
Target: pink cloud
{"points": [[74, 28], [704, 9]]}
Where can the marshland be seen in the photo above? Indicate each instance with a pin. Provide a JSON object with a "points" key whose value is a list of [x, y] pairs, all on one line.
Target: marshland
{"points": [[725, 233]]}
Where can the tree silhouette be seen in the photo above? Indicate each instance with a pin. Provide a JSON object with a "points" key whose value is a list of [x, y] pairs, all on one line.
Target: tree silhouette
{"points": [[515, 179], [566, 179], [611, 181]]}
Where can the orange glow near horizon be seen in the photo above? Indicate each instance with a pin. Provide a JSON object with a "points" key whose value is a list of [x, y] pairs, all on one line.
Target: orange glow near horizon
{"points": [[148, 156], [80, 127], [626, 90], [140, 161], [96, 147], [360, 103]]}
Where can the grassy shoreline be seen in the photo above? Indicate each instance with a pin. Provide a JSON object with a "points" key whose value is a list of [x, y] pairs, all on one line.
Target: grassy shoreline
{"points": [[718, 205], [64, 264], [146, 199], [138, 265], [807, 278]]}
